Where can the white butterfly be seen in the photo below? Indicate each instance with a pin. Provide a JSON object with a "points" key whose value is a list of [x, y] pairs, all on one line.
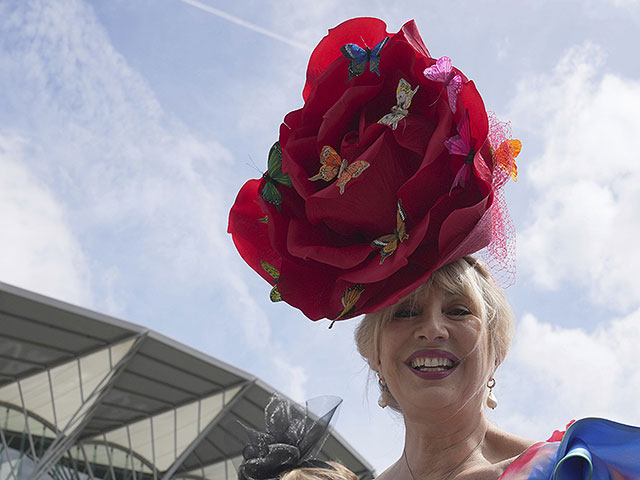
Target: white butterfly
{"points": [[404, 95]]}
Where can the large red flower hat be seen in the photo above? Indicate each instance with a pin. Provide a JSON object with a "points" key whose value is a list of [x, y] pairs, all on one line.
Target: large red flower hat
{"points": [[390, 170]]}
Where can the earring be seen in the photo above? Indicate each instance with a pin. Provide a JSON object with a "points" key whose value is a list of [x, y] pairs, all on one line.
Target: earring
{"points": [[382, 401], [492, 402]]}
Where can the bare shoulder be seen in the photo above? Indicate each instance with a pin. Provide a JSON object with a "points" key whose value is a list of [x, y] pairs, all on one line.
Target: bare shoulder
{"points": [[390, 473], [503, 447], [499, 451]]}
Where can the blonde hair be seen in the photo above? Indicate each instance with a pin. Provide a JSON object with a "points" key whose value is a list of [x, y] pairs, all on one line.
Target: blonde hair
{"points": [[466, 276], [340, 472]]}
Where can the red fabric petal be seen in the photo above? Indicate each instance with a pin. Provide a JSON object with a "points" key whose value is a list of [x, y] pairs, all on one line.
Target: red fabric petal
{"points": [[361, 31], [250, 236], [410, 33], [321, 244]]}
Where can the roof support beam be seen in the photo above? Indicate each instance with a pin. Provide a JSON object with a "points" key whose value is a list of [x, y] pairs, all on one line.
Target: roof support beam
{"points": [[66, 439], [205, 431]]}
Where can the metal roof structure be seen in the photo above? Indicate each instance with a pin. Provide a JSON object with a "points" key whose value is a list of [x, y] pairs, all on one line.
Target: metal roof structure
{"points": [[85, 395]]}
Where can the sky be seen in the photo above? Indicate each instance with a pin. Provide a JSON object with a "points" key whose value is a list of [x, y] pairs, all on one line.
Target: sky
{"points": [[127, 128]]}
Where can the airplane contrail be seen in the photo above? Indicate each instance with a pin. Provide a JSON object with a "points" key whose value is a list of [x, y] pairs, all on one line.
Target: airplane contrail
{"points": [[243, 23]]}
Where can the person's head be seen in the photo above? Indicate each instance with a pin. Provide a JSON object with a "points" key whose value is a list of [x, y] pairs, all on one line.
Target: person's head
{"points": [[336, 472], [458, 319], [292, 438]]}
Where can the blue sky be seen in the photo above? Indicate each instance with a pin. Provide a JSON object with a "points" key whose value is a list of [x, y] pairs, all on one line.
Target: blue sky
{"points": [[127, 127]]}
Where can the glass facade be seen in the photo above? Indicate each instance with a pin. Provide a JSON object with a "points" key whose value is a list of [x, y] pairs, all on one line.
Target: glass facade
{"points": [[38, 412]]}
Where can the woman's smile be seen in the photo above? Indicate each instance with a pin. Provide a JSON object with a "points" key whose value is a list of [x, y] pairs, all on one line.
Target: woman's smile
{"points": [[432, 364]]}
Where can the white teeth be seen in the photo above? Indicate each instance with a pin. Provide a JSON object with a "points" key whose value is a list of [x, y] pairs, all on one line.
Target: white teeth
{"points": [[431, 362]]}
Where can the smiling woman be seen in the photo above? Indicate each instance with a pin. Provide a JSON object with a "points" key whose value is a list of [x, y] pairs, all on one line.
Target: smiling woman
{"points": [[376, 193], [435, 354]]}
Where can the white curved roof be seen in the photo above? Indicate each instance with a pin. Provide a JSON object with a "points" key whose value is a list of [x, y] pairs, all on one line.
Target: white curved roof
{"points": [[108, 396]]}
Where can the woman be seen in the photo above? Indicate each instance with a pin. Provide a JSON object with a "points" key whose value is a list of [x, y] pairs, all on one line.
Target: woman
{"points": [[434, 353], [376, 192]]}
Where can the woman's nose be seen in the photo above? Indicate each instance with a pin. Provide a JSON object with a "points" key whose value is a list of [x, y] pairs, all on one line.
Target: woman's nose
{"points": [[431, 326]]}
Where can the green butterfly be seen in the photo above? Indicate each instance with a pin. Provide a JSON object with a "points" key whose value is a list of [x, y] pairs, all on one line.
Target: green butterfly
{"points": [[274, 176], [274, 295]]}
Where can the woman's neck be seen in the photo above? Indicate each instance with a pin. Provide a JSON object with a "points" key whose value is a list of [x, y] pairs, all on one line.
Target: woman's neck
{"points": [[437, 450]]}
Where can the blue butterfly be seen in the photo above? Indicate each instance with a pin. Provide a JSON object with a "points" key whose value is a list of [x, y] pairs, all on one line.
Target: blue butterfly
{"points": [[359, 57]]}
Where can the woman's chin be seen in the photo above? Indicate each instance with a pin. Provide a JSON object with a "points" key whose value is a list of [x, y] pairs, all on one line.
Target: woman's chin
{"points": [[435, 397], [435, 407]]}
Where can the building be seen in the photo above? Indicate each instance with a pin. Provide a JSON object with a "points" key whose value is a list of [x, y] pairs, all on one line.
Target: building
{"points": [[84, 395]]}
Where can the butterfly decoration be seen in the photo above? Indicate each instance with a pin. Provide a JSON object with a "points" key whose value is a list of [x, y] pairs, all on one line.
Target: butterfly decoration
{"points": [[274, 295], [358, 57], [461, 145], [274, 177], [349, 171], [331, 163], [404, 95], [505, 157], [441, 72], [349, 299], [388, 244]]}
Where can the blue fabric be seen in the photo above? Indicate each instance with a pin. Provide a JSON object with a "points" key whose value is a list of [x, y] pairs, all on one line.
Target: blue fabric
{"points": [[591, 449]]}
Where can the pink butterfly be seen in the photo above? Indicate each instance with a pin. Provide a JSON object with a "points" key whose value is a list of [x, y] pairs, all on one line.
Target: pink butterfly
{"points": [[461, 145], [442, 72]]}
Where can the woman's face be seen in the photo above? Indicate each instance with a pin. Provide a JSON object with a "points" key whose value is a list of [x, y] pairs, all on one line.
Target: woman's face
{"points": [[434, 352]]}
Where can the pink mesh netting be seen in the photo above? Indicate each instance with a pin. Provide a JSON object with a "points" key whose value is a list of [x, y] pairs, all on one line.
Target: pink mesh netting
{"points": [[500, 254]]}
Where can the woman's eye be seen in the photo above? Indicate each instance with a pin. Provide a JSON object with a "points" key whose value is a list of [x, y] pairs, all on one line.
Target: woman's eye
{"points": [[459, 312]]}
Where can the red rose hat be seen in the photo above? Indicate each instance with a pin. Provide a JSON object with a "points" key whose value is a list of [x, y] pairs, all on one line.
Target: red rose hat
{"points": [[391, 170]]}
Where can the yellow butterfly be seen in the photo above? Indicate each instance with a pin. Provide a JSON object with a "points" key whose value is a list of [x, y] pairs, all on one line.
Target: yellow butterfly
{"points": [[404, 95], [505, 157], [331, 163], [349, 299], [388, 244], [274, 295]]}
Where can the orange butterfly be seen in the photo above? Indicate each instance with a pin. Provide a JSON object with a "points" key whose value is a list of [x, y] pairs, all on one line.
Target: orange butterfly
{"points": [[389, 243], [505, 157], [331, 162], [347, 172]]}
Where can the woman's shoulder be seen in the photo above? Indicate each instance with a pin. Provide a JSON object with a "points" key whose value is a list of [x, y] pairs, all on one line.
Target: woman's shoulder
{"points": [[504, 446], [390, 473]]}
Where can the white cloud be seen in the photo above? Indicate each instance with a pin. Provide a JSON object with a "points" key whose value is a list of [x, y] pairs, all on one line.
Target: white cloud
{"points": [[38, 250], [625, 3], [584, 226], [555, 374], [145, 196], [293, 377]]}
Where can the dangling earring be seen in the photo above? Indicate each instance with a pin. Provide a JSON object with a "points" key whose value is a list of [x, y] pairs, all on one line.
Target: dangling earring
{"points": [[492, 402], [382, 401]]}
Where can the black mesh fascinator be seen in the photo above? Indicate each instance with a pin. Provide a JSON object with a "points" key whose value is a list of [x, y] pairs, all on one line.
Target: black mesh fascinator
{"points": [[292, 438]]}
